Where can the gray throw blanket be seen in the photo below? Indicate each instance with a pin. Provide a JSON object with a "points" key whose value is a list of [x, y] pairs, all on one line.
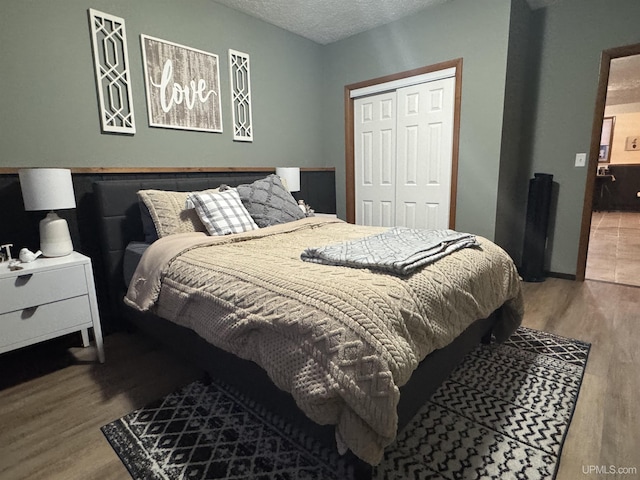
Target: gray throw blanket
{"points": [[399, 250]]}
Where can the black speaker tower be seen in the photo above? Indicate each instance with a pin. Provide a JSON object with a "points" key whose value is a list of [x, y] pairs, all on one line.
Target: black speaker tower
{"points": [[535, 232]]}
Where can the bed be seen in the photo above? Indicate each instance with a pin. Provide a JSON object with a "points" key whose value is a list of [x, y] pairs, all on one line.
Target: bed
{"points": [[348, 354]]}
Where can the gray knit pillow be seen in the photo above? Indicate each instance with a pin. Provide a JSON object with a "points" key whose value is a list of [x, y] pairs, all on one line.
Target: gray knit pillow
{"points": [[268, 202]]}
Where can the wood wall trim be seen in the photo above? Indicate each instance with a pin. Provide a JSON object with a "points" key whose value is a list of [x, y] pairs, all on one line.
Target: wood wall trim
{"points": [[453, 202], [408, 73], [350, 179], [594, 149], [349, 132], [167, 169], [109, 170]]}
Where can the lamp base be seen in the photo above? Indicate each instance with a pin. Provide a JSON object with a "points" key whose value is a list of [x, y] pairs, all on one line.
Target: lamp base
{"points": [[55, 239]]}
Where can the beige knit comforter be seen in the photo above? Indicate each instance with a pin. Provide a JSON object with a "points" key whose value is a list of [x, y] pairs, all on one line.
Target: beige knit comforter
{"points": [[341, 340]]}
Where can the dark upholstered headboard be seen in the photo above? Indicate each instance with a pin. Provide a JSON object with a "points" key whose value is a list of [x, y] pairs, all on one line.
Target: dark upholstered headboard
{"points": [[120, 222]]}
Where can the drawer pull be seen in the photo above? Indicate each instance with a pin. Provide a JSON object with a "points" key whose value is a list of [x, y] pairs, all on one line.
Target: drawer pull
{"points": [[27, 313], [23, 279]]}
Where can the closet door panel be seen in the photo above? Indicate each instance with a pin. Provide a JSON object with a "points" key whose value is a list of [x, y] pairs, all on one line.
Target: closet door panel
{"points": [[424, 154], [375, 159]]}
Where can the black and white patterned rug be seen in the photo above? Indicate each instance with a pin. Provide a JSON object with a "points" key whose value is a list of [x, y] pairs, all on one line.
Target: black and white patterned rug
{"points": [[503, 413]]}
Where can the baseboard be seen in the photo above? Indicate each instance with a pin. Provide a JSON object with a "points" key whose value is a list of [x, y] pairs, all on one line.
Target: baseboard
{"points": [[564, 276]]}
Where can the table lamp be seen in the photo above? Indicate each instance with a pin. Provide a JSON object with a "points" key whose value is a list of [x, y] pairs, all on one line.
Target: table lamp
{"points": [[49, 189], [290, 177]]}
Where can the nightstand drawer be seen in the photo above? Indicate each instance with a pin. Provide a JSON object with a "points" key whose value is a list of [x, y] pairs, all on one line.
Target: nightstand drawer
{"points": [[40, 287], [24, 326]]}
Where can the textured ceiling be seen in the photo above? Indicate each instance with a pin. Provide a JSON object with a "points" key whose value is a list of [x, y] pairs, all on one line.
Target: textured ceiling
{"points": [[327, 21]]}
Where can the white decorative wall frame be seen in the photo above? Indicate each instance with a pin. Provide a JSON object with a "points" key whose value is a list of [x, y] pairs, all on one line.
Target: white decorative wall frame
{"points": [[240, 77], [183, 86], [111, 62]]}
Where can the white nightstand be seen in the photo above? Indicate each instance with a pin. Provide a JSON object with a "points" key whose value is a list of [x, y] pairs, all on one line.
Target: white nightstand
{"points": [[48, 298]]}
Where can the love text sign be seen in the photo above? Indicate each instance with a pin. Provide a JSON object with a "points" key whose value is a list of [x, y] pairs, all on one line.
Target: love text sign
{"points": [[183, 86]]}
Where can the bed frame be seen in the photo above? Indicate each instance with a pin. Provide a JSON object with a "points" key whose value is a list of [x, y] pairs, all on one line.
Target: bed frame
{"points": [[120, 223]]}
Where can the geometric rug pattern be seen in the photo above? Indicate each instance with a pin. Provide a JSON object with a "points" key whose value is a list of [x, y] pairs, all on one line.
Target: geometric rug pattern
{"points": [[211, 431], [503, 414]]}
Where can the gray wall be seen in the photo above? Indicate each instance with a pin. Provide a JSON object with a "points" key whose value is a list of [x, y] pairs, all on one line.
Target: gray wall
{"points": [[49, 109], [512, 191], [48, 99], [572, 34], [476, 31]]}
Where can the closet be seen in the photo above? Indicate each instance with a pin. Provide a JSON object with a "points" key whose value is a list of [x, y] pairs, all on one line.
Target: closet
{"points": [[403, 148]]}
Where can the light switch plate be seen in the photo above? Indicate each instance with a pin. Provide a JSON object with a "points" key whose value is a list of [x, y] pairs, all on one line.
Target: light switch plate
{"points": [[581, 159]]}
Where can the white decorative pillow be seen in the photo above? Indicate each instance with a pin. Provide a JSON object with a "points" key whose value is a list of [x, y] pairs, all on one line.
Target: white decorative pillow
{"points": [[221, 213]]}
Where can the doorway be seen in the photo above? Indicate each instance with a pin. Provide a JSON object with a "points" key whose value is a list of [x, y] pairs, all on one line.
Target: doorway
{"points": [[609, 247], [350, 133]]}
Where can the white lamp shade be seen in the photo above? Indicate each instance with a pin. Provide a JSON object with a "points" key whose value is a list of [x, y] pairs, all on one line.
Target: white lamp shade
{"points": [[290, 177], [47, 188]]}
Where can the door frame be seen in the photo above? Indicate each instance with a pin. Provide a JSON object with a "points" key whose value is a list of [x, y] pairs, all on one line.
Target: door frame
{"points": [[594, 149], [349, 131]]}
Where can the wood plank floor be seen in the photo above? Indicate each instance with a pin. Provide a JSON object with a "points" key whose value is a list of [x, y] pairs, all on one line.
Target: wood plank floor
{"points": [[49, 422], [605, 430]]}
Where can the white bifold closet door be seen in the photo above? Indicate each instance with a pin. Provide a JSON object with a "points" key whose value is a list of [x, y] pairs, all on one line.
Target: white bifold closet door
{"points": [[403, 156]]}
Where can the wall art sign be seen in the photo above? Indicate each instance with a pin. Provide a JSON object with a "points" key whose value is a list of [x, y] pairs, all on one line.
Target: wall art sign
{"points": [[111, 64], [606, 138], [240, 80], [183, 86]]}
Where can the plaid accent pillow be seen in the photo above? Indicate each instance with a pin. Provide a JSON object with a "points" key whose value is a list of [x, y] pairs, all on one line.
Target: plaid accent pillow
{"points": [[221, 213]]}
